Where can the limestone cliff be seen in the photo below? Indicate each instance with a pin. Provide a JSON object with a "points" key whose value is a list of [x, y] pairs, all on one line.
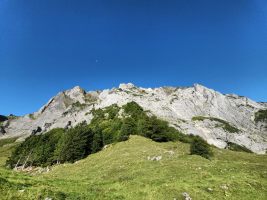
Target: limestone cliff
{"points": [[216, 117]]}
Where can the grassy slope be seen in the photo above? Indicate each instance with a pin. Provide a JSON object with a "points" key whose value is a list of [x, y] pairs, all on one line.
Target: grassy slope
{"points": [[122, 171]]}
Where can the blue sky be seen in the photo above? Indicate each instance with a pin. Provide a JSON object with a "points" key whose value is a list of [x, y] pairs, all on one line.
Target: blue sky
{"points": [[51, 45]]}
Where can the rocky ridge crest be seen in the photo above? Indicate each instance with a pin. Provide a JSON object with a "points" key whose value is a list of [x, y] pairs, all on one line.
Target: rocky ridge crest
{"points": [[194, 110]]}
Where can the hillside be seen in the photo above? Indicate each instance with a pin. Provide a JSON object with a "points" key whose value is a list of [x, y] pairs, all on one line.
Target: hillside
{"points": [[123, 171], [219, 119]]}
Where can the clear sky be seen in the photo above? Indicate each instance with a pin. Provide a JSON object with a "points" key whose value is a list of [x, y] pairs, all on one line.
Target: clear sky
{"points": [[47, 46]]}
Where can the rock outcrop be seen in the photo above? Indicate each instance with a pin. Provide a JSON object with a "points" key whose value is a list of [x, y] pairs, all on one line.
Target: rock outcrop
{"points": [[221, 118]]}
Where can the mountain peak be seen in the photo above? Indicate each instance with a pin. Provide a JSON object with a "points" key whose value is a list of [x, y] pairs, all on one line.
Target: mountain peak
{"points": [[124, 86], [76, 89], [199, 87]]}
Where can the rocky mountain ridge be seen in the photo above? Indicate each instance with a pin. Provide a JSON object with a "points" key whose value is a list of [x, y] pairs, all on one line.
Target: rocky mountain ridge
{"points": [[198, 110]]}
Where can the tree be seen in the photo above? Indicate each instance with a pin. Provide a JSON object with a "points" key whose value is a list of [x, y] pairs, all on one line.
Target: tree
{"points": [[97, 143], [77, 143], [133, 109], [128, 128]]}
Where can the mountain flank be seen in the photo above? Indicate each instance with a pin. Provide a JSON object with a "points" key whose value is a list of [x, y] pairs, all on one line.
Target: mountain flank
{"points": [[220, 119]]}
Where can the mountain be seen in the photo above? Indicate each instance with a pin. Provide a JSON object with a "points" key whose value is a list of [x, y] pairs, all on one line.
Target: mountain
{"points": [[219, 119]]}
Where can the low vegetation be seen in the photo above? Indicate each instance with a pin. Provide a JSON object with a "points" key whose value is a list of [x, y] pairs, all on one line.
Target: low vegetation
{"points": [[3, 118], [7, 141], [261, 116], [236, 147], [222, 123], [108, 126], [32, 116], [78, 105], [123, 171], [200, 147]]}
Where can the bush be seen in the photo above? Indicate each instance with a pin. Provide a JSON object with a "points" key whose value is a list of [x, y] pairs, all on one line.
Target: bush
{"points": [[3, 118], [134, 110], [159, 130], [230, 129], [199, 118], [7, 141], [200, 147], [261, 116], [236, 147], [128, 127], [185, 138]]}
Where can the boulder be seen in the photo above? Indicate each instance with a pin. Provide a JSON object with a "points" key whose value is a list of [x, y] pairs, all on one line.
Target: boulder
{"points": [[186, 196]]}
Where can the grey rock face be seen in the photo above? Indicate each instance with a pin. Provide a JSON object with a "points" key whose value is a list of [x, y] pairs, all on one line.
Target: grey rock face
{"points": [[177, 105]]}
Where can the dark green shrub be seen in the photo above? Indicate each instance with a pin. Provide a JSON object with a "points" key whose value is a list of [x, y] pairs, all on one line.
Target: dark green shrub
{"points": [[78, 105], [7, 141], [200, 147], [160, 130], [128, 127], [230, 129], [185, 138], [198, 118], [261, 115], [236, 147], [112, 111], [97, 143], [133, 109], [3, 118]]}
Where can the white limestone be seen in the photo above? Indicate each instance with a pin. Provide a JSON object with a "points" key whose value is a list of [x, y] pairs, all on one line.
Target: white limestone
{"points": [[177, 105]]}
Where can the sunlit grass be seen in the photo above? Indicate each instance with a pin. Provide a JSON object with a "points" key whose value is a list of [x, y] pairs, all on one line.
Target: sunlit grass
{"points": [[123, 171]]}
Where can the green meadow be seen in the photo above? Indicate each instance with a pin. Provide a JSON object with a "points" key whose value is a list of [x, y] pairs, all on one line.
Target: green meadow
{"points": [[123, 171]]}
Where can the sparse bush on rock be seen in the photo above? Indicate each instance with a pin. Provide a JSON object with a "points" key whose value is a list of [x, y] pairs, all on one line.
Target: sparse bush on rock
{"points": [[222, 123], [261, 115], [236, 147]]}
